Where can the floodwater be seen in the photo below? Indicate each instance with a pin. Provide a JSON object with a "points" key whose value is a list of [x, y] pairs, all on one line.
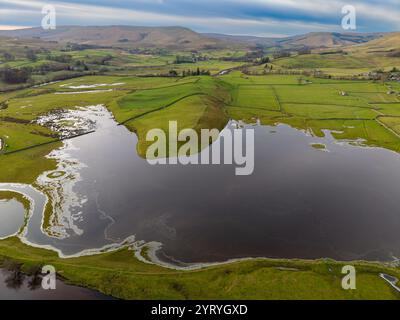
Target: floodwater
{"points": [[23, 287], [12, 214], [300, 202]]}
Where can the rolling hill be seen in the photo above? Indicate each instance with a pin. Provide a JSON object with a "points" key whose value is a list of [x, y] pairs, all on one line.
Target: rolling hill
{"points": [[388, 42], [310, 40], [327, 39], [181, 38], [123, 36], [245, 40]]}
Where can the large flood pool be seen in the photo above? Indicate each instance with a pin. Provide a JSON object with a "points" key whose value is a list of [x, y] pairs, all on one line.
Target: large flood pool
{"points": [[300, 202]]}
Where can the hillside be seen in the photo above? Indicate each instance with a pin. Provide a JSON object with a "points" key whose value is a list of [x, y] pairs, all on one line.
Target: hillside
{"points": [[18, 47], [181, 38], [386, 43], [381, 53], [250, 40], [311, 40], [123, 36], [327, 39]]}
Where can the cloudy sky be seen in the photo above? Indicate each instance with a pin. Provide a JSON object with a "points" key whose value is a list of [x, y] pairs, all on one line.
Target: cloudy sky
{"points": [[247, 17]]}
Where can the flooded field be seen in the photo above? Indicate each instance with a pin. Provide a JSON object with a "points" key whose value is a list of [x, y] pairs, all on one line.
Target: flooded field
{"points": [[23, 287], [302, 201]]}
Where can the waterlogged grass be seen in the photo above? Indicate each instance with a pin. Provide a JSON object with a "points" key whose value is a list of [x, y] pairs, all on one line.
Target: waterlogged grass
{"points": [[121, 275], [318, 146]]}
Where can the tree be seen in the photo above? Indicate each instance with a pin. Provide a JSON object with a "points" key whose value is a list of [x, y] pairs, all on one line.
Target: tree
{"points": [[300, 80], [30, 54], [8, 56], [384, 78], [281, 54], [15, 75], [304, 50], [3, 105]]}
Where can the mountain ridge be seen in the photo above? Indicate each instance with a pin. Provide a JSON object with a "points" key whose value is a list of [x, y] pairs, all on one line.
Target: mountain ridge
{"points": [[172, 37], [182, 38]]}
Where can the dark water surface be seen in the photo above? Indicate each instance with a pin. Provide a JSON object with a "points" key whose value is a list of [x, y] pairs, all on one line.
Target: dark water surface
{"points": [[299, 203], [26, 289], [11, 217]]}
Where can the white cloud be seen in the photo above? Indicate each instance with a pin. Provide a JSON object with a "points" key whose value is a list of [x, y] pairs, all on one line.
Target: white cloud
{"points": [[8, 27], [387, 10], [86, 14]]}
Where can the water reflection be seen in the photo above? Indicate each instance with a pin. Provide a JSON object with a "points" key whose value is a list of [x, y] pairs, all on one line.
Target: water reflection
{"points": [[12, 214], [15, 285]]}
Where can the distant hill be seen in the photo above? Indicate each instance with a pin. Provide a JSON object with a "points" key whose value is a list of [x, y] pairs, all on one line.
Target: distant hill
{"points": [[250, 40], [311, 40], [383, 51], [123, 36], [181, 38], [328, 39], [388, 41]]}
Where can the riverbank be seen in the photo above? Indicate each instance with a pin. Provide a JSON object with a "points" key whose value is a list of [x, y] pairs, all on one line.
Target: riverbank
{"points": [[121, 275]]}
